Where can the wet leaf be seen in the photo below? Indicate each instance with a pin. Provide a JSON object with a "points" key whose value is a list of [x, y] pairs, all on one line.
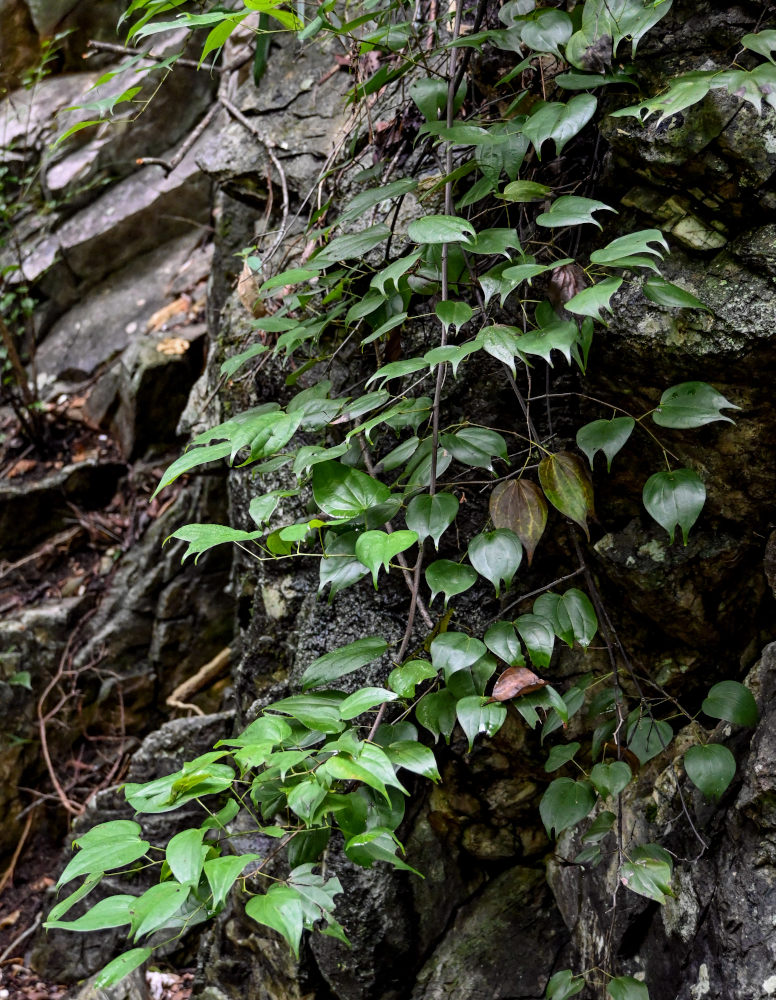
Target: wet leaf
{"points": [[675, 498]]}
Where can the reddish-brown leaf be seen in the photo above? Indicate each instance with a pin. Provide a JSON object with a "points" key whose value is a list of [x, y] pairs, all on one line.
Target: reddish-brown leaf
{"points": [[566, 484], [520, 506], [514, 682]]}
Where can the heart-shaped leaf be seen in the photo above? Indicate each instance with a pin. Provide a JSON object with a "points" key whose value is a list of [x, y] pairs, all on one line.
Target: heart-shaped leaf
{"points": [[565, 803], [376, 548], [591, 301], [502, 640], [648, 872], [627, 988], [608, 436], [496, 555], [560, 755], [572, 210], [549, 30], [710, 768], [539, 637], [430, 516], [560, 122], [691, 404], [610, 779], [648, 737], [341, 491], [731, 701], [441, 229], [477, 715], [675, 498], [571, 614], [405, 678], [454, 314], [519, 505], [501, 343], [476, 446], [449, 578], [563, 985], [567, 486]]}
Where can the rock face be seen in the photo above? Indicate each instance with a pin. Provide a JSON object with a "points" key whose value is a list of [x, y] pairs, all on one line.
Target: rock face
{"points": [[500, 908]]}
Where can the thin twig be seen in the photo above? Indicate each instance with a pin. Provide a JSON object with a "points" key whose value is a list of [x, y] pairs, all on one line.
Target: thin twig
{"points": [[8, 874], [21, 937], [124, 50]]}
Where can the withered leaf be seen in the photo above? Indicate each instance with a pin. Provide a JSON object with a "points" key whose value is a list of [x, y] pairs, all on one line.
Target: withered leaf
{"points": [[514, 682]]}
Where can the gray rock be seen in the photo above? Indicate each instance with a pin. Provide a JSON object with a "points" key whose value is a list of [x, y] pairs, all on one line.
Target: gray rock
{"points": [[112, 316], [47, 14], [132, 987]]}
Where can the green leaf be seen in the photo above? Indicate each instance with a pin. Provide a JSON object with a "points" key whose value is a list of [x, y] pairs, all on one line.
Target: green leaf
{"points": [[374, 196], [632, 244], [404, 679], [686, 90], [454, 314], [520, 506], [648, 737], [673, 498], [648, 872], [191, 459], [21, 678], [342, 661], [83, 890], [449, 578], [185, 856], [376, 845], [317, 711], [340, 568], [281, 909], [203, 537], [121, 966], [495, 241], [496, 555], [561, 755], [436, 712], [567, 486], [344, 768], [478, 715], [501, 639], [341, 491], [156, 907], [522, 191], [665, 293], [454, 651], [441, 229], [591, 301], [500, 342], [627, 988], [111, 912], [393, 272], [763, 43], [563, 985], [610, 779], [222, 873], [710, 768], [549, 30], [475, 446], [600, 828], [565, 803], [731, 701], [430, 516], [363, 700], [538, 635], [608, 436], [414, 757], [104, 854], [352, 245], [430, 95], [691, 404], [376, 548], [572, 210], [561, 122]]}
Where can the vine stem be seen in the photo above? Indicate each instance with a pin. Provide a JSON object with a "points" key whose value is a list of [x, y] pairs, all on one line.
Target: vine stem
{"points": [[415, 589]]}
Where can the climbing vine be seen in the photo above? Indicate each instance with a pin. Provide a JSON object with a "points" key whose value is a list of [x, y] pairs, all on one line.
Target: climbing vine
{"points": [[496, 273]]}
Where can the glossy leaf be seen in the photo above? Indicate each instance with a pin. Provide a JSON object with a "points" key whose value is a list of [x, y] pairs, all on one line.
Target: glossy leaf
{"points": [[560, 122], [430, 516], [572, 210], [523, 191], [501, 639], [475, 446], [496, 555], [280, 908], [648, 872], [352, 245], [414, 757], [595, 299], [341, 491], [121, 966], [340, 568], [222, 873], [563, 985], [184, 855], [477, 715], [495, 241], [608, 436], [111, 912], [691, 404], [610, 779], [550, 29], [567, 486], [441, 229], [519, 505], [203, 537], [436, 712], [376, 549], [454, 651], [565, 803], [762, 42], [710, 768], [665, 293], [731, 701], [340, 662], [449, 578], [404, 679], [363, 700], [500, 342], [156, 907], [675, 498], [539, 637], [454, 314]]}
